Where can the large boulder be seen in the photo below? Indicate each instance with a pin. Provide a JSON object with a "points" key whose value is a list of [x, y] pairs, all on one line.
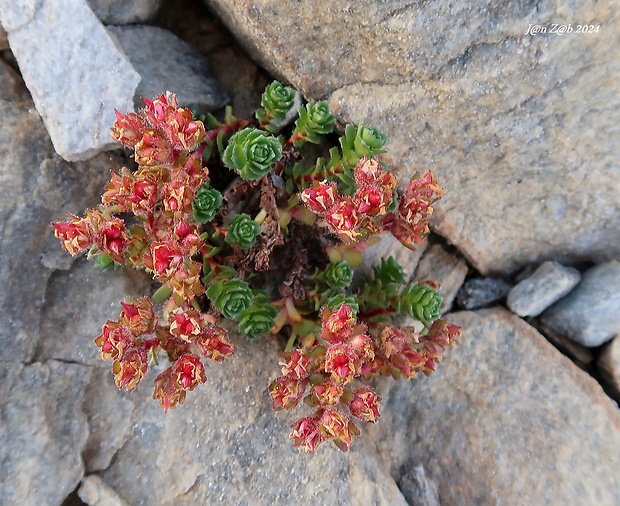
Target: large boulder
{"points": [[517, 126]]}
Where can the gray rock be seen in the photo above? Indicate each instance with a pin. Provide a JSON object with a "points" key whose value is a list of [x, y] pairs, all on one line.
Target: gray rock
{"points": [[94, 492], [38, 188], [477, 293], [590, 314], [226, 444], [418, 489], [548, 284], [121, 12], [505, 400], [79, 77], [43, 432], [580, 354], [109, 415], [444, 81], [165, 62], [448, 269], [389, 246], [84, 290], [608, 364]]}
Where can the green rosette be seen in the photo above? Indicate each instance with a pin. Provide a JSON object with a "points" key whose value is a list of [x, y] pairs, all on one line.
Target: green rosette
{"points": [[339, 275], [314, 120], [206, 203], [421, 302], [257, 320], [277, 101], [243, 231], [361, 141], [231, 297], [251, 153]]}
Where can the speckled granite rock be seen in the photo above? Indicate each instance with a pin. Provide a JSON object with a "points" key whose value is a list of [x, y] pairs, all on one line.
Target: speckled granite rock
{"points": [[505, 419], [43, 431], [590, 314], [530, 166], [389, 246], [548, 284]]}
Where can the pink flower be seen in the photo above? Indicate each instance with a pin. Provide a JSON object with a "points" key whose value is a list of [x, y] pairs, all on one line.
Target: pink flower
{"points": [[167, 390], [371, 200], [365, 404], [128, 128], [298, 365], [185, 323], [343, 218], [306, 434], [327, 394], [213, 343], [338, 427], [286, 392], [341, 363], [320, 197], [337, 325]]}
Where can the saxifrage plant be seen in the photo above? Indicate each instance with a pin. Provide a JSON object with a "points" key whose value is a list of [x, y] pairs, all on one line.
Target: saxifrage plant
{"points": [[238, 222]]}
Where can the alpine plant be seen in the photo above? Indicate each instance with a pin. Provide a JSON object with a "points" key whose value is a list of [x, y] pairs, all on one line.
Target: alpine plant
{"points": [[238, 221]]}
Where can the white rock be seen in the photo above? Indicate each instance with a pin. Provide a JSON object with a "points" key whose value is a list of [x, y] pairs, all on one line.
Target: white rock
{"points": [[74, 71], [548, 284]]}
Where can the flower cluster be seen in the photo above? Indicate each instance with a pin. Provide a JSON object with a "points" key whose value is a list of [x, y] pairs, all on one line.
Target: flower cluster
{"points": [[243, 240]]}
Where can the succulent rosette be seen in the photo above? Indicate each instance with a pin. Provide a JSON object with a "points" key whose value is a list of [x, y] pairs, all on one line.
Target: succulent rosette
{"points": [[339, 274], [257, 320], [276, 100], [314, 120], [421, 302], [231, 297], [206, 203], [243, 231], [251, 153], [360, 142]]}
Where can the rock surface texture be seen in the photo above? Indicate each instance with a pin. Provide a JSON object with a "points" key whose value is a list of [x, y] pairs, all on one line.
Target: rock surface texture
{"points": [[529, 163], [121, 12], [549, 283], [507, 419], [80, 77], [590, 315]]}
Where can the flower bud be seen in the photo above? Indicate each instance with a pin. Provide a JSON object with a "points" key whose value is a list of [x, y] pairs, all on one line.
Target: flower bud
{"points": [[306, 434], [189, 371], [213, 343], [75, 235], [298, 365], [138, 315], [320, 197], [343, 218], [286, 392], [130, 369]]}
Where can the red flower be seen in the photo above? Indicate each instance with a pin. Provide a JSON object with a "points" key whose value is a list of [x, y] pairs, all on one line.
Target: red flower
{"points": [[338, 427], [189, 371], [392, 340], [167, 390], [337, 325], [365, 404], [320, 197], [75, 235], [176, 196], [341, 363], [327, 394], [286, 392], [298, 365], [371, 200], [343, 218], [186, 324], [155, 149], [128, 128], [110, 237], [306, 434], [213, 343], [368, 171], [138, 315], [114, 339], [130, 369], [167, 259]]}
